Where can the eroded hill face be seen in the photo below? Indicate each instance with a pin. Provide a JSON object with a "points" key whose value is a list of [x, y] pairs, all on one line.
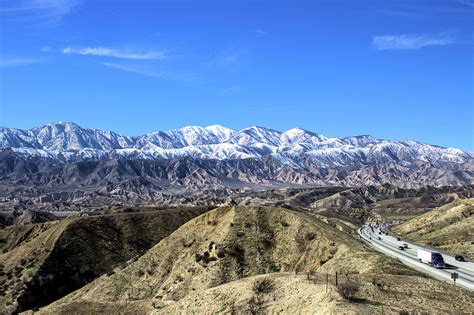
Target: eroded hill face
{"points": [[357, 205], [43, 262], [216, 248], [195, 157], [450, 227], [217, 262], [46, 183]]}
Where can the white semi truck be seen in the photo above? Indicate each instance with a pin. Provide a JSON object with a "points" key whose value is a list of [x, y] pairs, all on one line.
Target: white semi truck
{"points": [[433, 259]]}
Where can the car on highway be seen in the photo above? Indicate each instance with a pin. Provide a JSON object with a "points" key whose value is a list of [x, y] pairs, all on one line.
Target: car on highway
{"points": [[401, 247], [380, 238], [405, 245], [399, 239], [459, 258]]}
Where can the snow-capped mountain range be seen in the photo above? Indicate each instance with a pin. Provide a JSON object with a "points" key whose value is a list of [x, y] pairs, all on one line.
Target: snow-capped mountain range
{"points": [[61, 165], [68, 142]]}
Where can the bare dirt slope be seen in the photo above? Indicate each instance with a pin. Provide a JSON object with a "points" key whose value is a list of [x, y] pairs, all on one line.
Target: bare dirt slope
{"points": [[43, 262], [450, 227], [260, 259]]}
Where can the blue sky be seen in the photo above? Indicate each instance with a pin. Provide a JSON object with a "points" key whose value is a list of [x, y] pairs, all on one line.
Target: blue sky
{"points": [[393, 69]]}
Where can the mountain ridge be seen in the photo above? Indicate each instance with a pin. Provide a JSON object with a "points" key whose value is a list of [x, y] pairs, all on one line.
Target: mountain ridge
{"points": [[57, 159], [69, 142]]}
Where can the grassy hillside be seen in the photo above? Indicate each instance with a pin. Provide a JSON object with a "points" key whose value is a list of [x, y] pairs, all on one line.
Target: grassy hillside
{"points": [[450, 227], [261, 259], [43, 262]]}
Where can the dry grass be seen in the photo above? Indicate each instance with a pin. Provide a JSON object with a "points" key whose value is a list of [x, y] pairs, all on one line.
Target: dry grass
{"points": [[43, 262], [450, 228], [257, 246]]}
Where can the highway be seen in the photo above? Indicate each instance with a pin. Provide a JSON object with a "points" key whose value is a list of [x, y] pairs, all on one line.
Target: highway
{"points": [[389, 245]]}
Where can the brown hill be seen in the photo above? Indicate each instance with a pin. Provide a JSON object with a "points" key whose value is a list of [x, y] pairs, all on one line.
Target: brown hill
{"points": [[24, 217], [450, 228], [260, 259], [364, 203], [42, 262]]}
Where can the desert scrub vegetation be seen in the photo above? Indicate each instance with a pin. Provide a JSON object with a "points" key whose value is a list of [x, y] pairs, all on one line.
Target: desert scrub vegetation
{"points": [[349, 290], [260, 288], [263, 286], [312, 275]]}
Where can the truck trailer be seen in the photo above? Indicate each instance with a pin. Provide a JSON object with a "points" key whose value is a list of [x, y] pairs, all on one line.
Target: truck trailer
{"points": [[433, 259]]}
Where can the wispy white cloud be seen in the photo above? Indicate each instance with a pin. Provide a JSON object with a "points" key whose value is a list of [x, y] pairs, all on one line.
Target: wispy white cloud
{"points": [[46, 49], [232, 89], [115, 53], [410, 41], [228, 58], [37, 12], [17, 61], [148, 71], [469, 3], [427, 9], [261, 32], [402, 13]]}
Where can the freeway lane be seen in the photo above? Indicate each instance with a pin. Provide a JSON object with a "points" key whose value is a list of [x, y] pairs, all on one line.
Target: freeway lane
{"points": [[462, 268], [389, 245]]}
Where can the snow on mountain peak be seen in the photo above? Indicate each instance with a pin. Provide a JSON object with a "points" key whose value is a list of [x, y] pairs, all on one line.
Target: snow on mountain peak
{"points": [[255, 134], [299, 135], [218, 142], [363, 140], [220, 131]]}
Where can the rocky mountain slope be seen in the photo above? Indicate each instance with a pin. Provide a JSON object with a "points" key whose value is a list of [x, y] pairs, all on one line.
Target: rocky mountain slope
{"points": [[45, 185], [97, 185], [450, 228], [261, 260], [68, 141], [214, 156], [361, 204], [42, 262]]}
